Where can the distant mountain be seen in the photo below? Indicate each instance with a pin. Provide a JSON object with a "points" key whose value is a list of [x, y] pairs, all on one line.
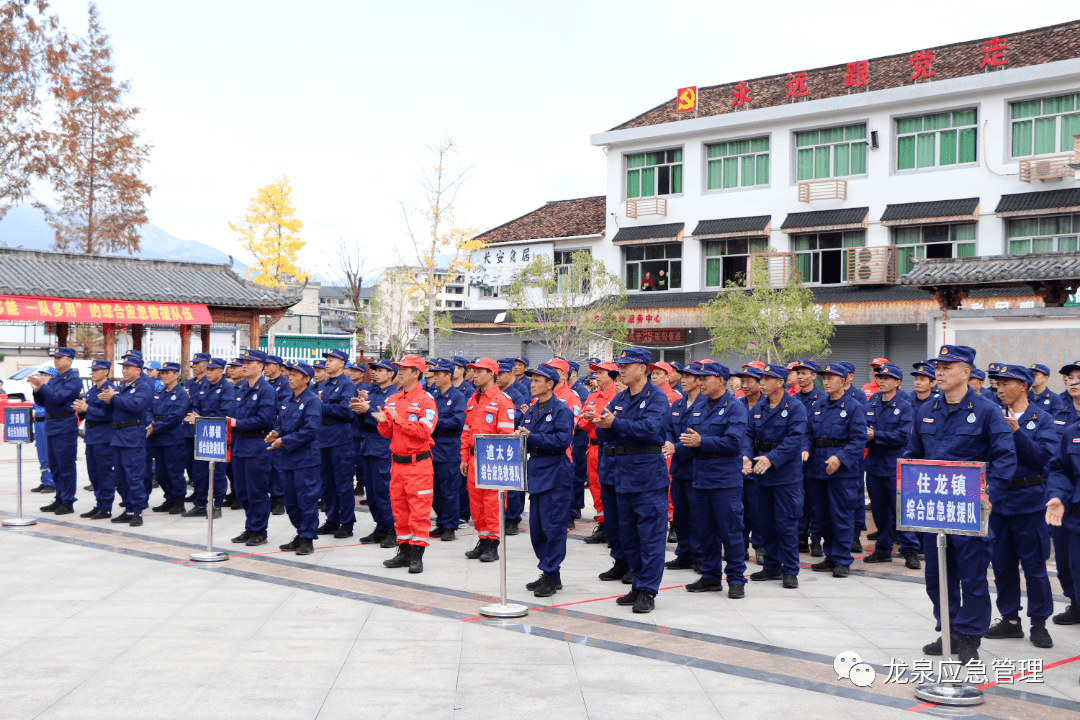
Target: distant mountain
{"points": [[25, 227]]}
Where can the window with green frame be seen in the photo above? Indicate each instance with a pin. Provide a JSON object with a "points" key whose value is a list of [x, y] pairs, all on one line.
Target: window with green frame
{"points": [[1044, 126], [726, 260], [737, 163], [653, 267], [821, 258], [654, 173], [932, 241], [832, 152], [936, 140], [1043, 234]]}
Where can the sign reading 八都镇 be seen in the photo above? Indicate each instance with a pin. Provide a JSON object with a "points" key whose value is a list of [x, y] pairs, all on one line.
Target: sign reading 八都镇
{"points": [[212, 439]]}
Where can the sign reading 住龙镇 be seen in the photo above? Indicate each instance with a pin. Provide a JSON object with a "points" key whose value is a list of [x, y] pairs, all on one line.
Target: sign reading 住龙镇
{"points": [[941, 496], [18, 424], [500, 462], [212, 439]]}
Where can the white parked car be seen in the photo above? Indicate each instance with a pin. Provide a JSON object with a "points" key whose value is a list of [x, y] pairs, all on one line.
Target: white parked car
{"points": [[17, 388]]}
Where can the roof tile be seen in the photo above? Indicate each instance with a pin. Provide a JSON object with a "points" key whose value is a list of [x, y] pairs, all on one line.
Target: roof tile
{"points": [[934, 209], [1021, 203], [557, 218], [668, 231], [994, 269], [854, 217], [725, 226]]}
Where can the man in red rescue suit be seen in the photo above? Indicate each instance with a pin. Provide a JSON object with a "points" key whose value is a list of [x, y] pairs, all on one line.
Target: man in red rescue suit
{"points": [[594, 408], [488, 412], [408, 418]]}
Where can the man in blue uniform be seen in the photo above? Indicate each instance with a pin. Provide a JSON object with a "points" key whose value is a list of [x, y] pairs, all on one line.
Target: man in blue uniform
{"points": [[837, 432], [521, 364], [635, 422], [376, 453], [977, 382], [336, 445], [888, 426], [280, 383], [446, 455], [1068, 415], [213, 398], [1042, 396], [773, 451], [1018, 522], [515, 499], [166, 435], [252, 418], [959, 424], [924, 381], [548, 426], [56, 394], [97, 416], [809, 393], [1063, 488], [580, 445], [192, 388], [716, 431], [299, 421], [688, 551], [751, 388], [356, 371], [130, 403]]}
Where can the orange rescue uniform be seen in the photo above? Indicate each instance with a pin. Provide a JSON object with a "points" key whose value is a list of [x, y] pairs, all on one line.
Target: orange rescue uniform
{"points": [[596, 402], [486, 413], [411, 472]]}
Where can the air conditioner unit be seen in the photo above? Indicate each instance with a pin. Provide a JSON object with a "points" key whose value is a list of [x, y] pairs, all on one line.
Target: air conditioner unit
{"points": [[865, 270]]}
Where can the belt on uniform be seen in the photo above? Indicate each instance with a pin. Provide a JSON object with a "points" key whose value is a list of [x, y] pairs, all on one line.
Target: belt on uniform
{"points": [[410, 459], [538, 452], [248, 434], [129, 423], [446, 433], [824, 442], [335, 421], [1025, 482], [58, 416], [594, 441], [765, 446], [94, 423], [579, 431], [713, 456], [159, 417], [633, 450]]}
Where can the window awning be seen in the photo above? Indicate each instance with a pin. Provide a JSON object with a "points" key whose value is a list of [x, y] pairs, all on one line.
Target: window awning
{"points": [[744, 227], [670, 232], [20, 308], [1050, 202], [826, 220], [923, 213]]}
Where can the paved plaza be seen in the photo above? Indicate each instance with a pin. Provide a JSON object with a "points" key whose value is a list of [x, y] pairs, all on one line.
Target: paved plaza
{"points": [[105, 621]]}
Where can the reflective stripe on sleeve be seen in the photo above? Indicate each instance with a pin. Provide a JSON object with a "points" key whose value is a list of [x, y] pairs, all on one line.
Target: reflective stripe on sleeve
{"points": [[506, 425], [426, 492]]}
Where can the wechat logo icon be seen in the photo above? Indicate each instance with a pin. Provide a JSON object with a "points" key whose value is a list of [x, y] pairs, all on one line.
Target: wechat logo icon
{"points": [[850, 666]]}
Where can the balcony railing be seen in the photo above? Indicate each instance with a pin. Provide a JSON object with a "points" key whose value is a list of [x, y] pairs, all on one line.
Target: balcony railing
{"points": [[778, 268], [822, 190], [646, 206], [1045, 168], [871, 265]]}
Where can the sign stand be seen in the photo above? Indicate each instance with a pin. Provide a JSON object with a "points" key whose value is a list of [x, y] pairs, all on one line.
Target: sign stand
{"points": [[212, 437], [503, 610], [211, 555], [18, 429]]}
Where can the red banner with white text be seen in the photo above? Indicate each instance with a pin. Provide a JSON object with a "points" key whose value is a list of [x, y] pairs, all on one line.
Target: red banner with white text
{"points": [[51, 309]]}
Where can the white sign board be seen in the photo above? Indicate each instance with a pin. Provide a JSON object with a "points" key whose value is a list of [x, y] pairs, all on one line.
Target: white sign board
{"points": [[496, 265]]}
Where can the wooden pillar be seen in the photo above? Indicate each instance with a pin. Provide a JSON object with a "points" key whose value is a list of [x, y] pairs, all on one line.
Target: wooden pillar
{"points": [[185, 350], [136, 337], [204, 338], [253, 331], [62, 334], [108, 332]]}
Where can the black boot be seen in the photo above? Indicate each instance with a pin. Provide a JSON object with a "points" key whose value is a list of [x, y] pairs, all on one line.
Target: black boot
{"points": [[389, 540], [1039, 637], [616, 572], [436, 531], [122, 518], [448, 535], [376, 536], [416, 560], [511, 527], [177, 509], [481, 546], [277, 508], [163, 507], [291, 545], [306, 547], [672, 537], [327, 528], [1069, 617], [546, 587], [101, 514], [599, 535], [51, 507], [491, 554], [345, 531], [401, 559], [1006, 627], [64, 509]]}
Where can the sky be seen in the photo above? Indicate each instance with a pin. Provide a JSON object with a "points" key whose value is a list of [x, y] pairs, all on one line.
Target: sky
{"points": [[345, 97]]}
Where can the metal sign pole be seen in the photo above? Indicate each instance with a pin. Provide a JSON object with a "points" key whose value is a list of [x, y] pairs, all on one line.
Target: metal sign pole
{"points": [[947, 692], [211, 555], [503, 610], [19, 521]]}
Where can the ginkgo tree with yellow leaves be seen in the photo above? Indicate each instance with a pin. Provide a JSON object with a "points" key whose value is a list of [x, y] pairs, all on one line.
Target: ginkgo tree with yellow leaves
{"points": [[270, 231]]}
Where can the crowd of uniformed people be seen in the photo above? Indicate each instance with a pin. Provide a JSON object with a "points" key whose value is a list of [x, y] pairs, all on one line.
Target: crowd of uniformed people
{"points": [[772, 460]]}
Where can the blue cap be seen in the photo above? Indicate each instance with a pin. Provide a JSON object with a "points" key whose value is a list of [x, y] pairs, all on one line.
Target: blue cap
{"points": [[443, 366], [132, 353], [476, 359], [716, 369], [595, 361], [302, 367], [254, 354], [924, 369], [1066, 369], [889, 370], [133, 361], [456, 360], [506, 367], [62, 352], [676, 366], [749, 371], [101, 365], [978, 374], [360, 366], [235, 362], [153, 365], [336, 353], [849, 368], [634, 355], [215, 363], [1015, 372], [201, 357], [780, 372], [1039, 367], [273, 360], [807, 364], [49, 370], [522, 359], [319, 364], [385, 365], [175, 367], [349, 365], [544, 371], [833, 368], [994, 367], [574, 367], [956, 353]]}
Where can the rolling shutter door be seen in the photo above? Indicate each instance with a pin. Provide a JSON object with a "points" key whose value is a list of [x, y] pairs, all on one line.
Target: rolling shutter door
{"points": [[905, 345]]}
